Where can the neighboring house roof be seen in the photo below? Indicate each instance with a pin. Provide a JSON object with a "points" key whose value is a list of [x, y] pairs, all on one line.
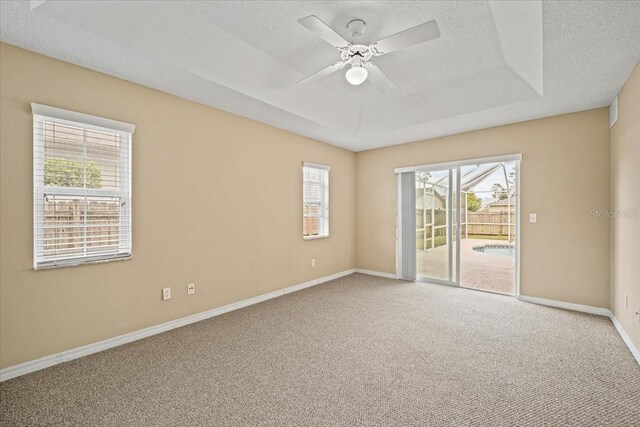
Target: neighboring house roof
{"points": [[489, 201], [498, 202]]}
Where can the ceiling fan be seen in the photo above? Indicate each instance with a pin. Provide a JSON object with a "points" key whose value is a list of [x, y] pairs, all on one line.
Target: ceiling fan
{"points": [[358, 56]]}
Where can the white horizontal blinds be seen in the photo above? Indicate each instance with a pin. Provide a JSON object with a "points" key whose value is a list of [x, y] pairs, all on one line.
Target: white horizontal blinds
{"points": [[315, 200], [82, 191]]}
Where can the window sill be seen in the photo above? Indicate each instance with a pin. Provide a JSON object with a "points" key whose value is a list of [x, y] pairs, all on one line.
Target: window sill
{"points": [[77, 263], [315, 237]]}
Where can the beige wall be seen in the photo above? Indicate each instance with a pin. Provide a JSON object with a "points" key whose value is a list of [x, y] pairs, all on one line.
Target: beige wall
{"points": [[216, 200], [625, 198], [564, 175], [196, 218]]}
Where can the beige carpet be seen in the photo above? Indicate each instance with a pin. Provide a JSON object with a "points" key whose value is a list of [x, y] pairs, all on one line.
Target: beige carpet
{"points": [[356, 351]]}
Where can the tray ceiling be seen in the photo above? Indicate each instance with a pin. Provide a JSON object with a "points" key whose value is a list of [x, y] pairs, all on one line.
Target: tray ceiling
{"points": [[495, 62]]}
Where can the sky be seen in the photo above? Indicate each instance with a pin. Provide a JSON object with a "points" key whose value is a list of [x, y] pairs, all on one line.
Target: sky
{"points": [[482, 190]]}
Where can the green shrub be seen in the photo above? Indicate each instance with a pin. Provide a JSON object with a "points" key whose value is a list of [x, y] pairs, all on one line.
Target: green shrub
{"points": [[68, 173], [473, 202]]}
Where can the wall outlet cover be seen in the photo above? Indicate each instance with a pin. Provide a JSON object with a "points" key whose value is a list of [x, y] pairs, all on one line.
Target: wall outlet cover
{"points": [[166, 294]]}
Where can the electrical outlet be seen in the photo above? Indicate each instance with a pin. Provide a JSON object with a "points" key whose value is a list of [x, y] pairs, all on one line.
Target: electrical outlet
{"points": [[166, 294], [533, 217], [191, 288], [313, 262]]}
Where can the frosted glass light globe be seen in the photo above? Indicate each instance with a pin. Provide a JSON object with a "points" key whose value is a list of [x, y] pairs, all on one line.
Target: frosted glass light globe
{"points": [[356, 75]]}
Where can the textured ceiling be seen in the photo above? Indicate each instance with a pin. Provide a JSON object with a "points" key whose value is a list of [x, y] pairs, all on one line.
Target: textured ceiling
{"points": [[471, 45], [462, 81]]}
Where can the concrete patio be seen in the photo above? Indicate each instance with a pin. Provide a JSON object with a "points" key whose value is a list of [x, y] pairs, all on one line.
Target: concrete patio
{"points": [[478, 270]]}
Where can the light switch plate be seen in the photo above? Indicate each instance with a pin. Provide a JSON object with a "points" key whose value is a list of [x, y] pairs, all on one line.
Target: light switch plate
{"points": [[533, 217]]}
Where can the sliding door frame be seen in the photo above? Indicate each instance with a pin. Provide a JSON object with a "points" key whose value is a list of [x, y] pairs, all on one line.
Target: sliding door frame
{"points": [[450, 222], [516, 157]]}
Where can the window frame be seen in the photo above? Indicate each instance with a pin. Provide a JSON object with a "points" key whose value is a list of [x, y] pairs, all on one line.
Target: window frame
{"points": [[324, 201], [125, 132]]}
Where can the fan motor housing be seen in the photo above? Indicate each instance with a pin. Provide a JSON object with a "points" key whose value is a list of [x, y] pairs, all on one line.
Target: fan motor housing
{"points": [[356, 49]]}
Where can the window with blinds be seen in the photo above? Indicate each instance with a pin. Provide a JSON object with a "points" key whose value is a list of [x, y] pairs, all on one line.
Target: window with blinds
{"points": [[315, 201], [82, 188]]}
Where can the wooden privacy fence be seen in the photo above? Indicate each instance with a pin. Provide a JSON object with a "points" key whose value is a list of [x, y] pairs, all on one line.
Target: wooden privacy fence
{"points": [[311, 220], [489, 223], [64, 224], [311, 226]]}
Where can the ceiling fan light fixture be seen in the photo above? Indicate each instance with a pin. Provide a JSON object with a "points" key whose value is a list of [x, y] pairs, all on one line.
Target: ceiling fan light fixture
{"points": [[356, 75], [357, 55]]}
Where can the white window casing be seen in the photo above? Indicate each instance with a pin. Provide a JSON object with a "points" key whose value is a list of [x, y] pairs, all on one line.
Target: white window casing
{"points": [[315, 201], [81, 188]]}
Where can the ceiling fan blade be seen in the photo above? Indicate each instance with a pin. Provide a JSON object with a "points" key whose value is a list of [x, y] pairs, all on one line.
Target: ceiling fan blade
{"points": [[412, 36], [377, 78], [323, 73], [322, 30]]}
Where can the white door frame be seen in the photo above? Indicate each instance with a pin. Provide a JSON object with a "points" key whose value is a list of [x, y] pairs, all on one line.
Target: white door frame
{"points": [[517, 157]]}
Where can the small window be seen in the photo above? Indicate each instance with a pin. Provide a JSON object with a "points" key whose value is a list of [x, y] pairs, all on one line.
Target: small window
{"points": [[82, 188], [315, 201]]}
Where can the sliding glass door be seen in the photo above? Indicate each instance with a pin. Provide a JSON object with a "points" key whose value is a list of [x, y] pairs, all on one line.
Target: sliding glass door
{"points": [[489, 220], [458, 224], [437, 230]]}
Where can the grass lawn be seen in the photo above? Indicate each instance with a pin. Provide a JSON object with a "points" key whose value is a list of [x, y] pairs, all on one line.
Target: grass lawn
{"points": [[440, 240], [488, 237]]}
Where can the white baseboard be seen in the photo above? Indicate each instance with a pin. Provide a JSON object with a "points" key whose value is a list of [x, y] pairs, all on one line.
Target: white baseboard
{"points": [[591, 310], [625, 337], [316, 281], [566, 305], [376, 273], [65, 356]]}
